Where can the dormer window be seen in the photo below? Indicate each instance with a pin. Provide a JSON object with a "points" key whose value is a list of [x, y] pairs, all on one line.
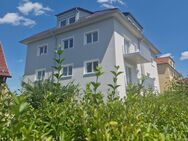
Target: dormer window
{"points": [[67, 21], [63, 23], [72, 20]]}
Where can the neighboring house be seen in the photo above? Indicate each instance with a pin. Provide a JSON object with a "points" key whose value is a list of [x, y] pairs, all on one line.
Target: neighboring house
{"points": [[167, 72], [4, 72], [185, 80], [108, 37]]}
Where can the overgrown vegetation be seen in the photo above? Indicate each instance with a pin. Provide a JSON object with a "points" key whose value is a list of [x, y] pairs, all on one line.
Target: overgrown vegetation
{"points": [[47, 111]]}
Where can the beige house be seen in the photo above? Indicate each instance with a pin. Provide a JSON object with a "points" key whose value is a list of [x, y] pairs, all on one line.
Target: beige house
{"points": [[167, 72]]}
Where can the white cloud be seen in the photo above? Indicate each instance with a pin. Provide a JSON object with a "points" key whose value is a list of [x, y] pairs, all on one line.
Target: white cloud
{"points": [[110, 3], [106, 5], [102, 1], [166, 55], [37, 8], [15, 19], [184, 55]]}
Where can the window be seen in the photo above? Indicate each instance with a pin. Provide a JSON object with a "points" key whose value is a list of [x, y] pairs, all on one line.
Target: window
{"points": [[91, 66], [63, 23], [127, 46], [72, 20], [67, 21], [67, 70], [91, 37], [68, 43], [129, 75], [40, 74], [42, 50]]}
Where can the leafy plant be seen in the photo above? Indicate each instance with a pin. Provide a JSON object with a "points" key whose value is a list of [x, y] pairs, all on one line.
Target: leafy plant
{"points": [[96, 84], [58, 68], [114, 86]]}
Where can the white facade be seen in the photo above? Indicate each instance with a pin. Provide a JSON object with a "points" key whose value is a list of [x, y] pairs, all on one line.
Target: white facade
{"points": [[114, 41]]}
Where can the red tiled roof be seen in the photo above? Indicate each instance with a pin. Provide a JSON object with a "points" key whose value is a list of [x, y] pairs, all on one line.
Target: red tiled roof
{"points": [[3, 67], [162, 60], [185, 80]]}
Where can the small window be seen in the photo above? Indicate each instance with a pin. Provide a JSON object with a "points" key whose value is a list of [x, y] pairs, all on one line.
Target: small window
{"points": [[68, 43], [72, 20], [40, 74], [67, 70], [42, 50], [63, 23], [91, 37], [91, 66]]}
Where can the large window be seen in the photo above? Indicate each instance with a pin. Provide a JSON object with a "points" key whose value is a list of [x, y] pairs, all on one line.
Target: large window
{"points": [[90, 66], [42, 50], [67, 70], [91, 37], [40, 74], [68, 43]]}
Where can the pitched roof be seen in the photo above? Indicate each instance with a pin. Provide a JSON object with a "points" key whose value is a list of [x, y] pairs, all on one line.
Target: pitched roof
{"points": [[75, 8], [185, 80], [53, 30], [163, 60], [91, 18], [3, 66]]}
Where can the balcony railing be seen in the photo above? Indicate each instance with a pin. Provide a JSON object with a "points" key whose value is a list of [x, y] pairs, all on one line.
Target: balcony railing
{"points": [[137, 55]]}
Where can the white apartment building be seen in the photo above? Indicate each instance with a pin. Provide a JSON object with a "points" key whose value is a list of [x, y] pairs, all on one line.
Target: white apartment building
{"points": [[108, 37]]}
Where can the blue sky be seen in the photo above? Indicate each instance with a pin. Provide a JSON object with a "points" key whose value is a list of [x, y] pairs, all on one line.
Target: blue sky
{"points": [[165, 24]]}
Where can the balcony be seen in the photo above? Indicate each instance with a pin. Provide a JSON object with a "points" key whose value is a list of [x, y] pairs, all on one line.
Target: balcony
{"points": [[137, 55]]}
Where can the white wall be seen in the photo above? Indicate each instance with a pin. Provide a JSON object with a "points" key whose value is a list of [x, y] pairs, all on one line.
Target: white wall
{"points": [[151, 67], [102, 50]]}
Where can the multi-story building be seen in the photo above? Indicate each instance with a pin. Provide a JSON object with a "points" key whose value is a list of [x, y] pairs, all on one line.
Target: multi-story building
{"points": [[108, 37], [166, 71]]}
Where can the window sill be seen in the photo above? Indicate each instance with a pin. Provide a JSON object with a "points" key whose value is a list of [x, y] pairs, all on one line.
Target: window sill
{"points": [[92, 43], [89, 74], [66, 77], [42, 55], [68, 48]]}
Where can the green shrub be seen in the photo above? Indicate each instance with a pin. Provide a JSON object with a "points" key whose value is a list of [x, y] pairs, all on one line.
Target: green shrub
{"points": [[152, 117], [48, 111]]}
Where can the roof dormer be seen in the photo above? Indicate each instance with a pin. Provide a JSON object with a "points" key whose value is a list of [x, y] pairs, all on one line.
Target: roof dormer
{"points": [[71, 16], [133, 21]]}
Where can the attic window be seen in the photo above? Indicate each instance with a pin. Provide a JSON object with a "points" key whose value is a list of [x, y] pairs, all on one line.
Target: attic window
{"points": [[63, 23], [72, 20]]}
